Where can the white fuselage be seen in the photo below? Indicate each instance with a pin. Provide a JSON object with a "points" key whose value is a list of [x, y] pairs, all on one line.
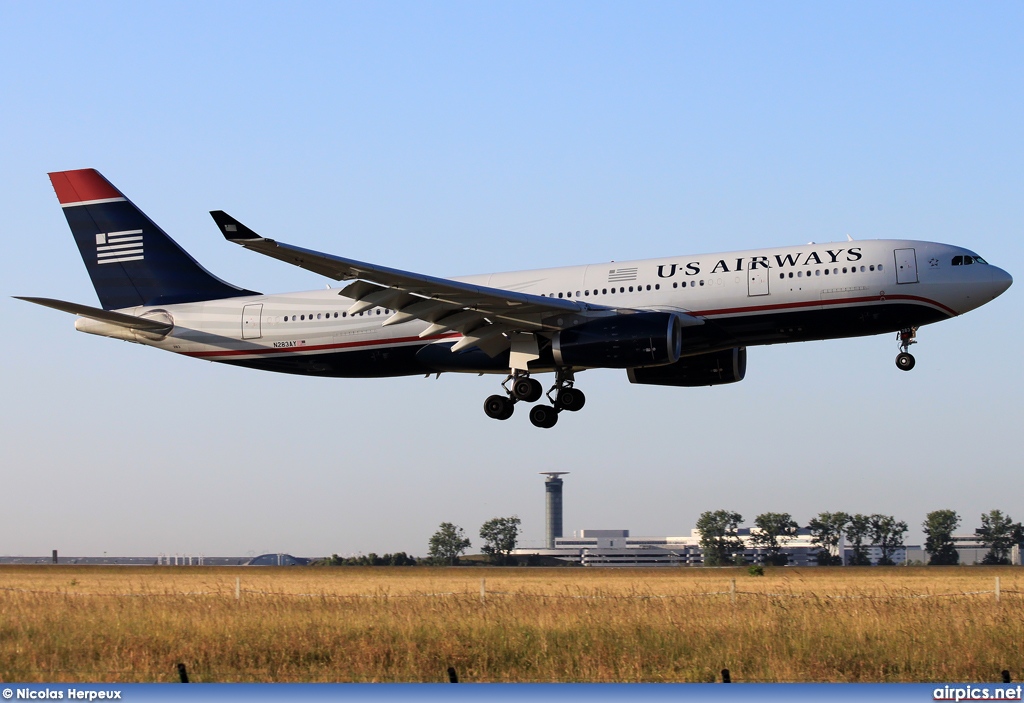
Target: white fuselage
{"points": [[813, 291]]}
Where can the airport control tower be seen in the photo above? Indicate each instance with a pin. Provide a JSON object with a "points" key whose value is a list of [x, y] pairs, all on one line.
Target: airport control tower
{"points": [[553, 505]]}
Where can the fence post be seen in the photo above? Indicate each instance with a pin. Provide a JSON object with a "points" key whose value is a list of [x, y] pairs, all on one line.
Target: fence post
{"points": [[726, 678], [238, 588], [182, 673], [453, 677], [483, 590], [1006, 675], [997, 589], [732, 591]]}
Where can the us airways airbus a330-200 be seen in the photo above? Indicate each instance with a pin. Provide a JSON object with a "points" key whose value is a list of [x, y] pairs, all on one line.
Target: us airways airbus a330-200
{"points": [[677, 321]]}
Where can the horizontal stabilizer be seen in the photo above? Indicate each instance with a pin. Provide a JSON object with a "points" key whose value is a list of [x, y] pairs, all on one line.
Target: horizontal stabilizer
{"points": [[114, 318]]}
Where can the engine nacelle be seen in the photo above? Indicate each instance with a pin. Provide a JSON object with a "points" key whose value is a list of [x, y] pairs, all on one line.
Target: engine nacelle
{"points": [[620, 342], [711, 369]]}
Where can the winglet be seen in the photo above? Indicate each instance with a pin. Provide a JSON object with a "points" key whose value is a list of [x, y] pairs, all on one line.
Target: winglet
{"points": [[232, 229]]}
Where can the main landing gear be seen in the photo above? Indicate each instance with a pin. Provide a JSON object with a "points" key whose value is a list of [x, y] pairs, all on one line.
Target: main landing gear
{"points": [[563, 396], [905, 360]]}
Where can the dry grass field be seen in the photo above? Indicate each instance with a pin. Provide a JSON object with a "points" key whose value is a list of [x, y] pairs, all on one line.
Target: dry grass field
{"points": [[130, 624]]}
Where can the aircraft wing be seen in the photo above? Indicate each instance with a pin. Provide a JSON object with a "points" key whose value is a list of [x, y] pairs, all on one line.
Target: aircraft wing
{"points": [[482, 314]]}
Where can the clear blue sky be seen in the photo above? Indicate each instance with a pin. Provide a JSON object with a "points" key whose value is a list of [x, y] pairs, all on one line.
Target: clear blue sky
{"points": [[462, 138]]}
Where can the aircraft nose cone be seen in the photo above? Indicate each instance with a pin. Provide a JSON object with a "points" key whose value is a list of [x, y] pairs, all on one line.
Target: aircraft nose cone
{"points": [[1001, 281]]}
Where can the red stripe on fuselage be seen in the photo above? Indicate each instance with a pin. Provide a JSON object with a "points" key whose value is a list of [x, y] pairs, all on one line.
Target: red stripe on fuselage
{"points": [[319, 347], [82, 185], [822, 303], [696, 313]]}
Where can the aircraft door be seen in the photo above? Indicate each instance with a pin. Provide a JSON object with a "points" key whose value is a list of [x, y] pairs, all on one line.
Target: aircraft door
{"points": [[906, 266], [252, 327], [757, 281]]}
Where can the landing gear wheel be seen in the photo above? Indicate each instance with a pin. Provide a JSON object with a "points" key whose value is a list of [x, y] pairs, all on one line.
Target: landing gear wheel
{"points": [[571, 399], [499, 407], [543, 416], [527, 390], [905, 361]]}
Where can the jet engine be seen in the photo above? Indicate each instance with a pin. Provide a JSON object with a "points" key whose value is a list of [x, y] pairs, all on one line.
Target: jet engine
{"points": [[711, 369], [620, 342]]}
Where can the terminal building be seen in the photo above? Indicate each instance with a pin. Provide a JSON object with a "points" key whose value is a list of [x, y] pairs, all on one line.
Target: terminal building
{"points": [[618, 548]]}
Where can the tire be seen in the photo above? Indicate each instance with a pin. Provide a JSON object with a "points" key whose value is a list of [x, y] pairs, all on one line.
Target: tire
{"points": [[571, 399], [527, 390], [905, 361], [543, 416], [536, 391], [498, 407]]}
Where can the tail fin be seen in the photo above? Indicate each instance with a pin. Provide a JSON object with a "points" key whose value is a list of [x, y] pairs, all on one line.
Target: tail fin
{"points": [[130, 259]]}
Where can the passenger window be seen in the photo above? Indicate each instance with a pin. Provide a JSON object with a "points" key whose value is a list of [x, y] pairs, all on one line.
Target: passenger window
{"points": [[844, 269], [318, 315], [657, 286], [559, 295], [604, 291], [879, 267], [631, 289], [577, 294], [648, 287]]}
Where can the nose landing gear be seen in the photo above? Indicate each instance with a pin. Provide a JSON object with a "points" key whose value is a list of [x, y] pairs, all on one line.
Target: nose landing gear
{"points": [[905, 360]]}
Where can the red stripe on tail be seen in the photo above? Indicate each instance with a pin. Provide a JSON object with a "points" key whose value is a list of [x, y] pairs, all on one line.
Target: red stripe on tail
{"points": [[81, 186]]}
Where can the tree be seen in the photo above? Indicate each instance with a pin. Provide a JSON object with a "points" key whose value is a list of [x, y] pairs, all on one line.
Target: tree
{"points": [[500, 535], [887, 534], [718, 536], [999, 533], [939, 526], [448, 543], [857, 530], [826, 529], [773, 531]]}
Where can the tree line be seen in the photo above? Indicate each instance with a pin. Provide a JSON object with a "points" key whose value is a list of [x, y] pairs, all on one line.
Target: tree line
{"points": [[500, 536], [721, 544]]}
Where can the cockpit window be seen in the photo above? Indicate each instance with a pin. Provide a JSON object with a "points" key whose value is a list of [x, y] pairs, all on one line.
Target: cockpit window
{"points": [[958, 261], [968, 260], [979, 260]]}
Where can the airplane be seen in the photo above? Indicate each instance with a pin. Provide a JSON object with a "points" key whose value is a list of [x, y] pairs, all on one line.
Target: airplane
{"points": [[680, 321]]}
